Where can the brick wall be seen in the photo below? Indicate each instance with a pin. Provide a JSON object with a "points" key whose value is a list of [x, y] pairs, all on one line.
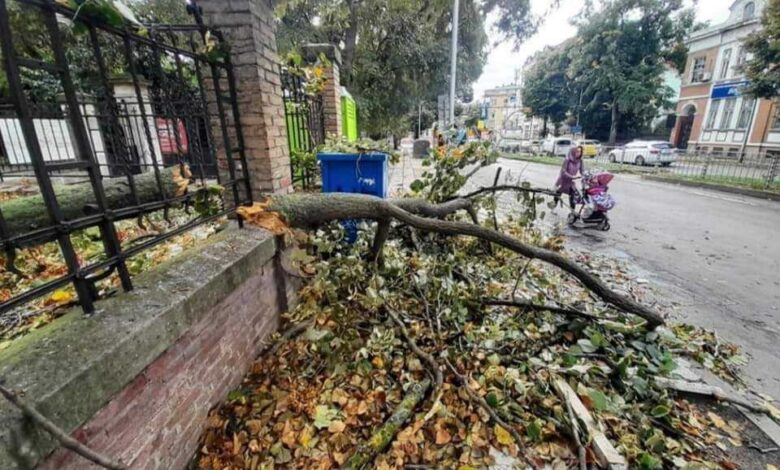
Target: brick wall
{"points": [[331, 94], [155, 422], [248, 26]]}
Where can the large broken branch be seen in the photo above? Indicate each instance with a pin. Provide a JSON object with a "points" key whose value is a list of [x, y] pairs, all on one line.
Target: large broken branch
{"points": [[26, 214], [60, 435], [310, 210]]}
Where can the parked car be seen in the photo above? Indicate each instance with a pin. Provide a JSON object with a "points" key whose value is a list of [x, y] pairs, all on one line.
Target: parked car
{"points": [[535, 146], [644, 152], [590, 147], [509, 145], [556, 146]]}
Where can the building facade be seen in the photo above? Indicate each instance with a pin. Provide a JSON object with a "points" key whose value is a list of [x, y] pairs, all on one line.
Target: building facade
{"points": [[712, 113], [502, 110]]}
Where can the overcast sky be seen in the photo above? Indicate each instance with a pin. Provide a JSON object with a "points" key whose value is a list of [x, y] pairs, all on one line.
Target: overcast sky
{"points": [[502, 60]]}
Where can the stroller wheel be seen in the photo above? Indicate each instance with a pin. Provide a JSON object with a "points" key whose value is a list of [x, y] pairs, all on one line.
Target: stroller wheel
{"points": [[572, 218], [604, 226]]}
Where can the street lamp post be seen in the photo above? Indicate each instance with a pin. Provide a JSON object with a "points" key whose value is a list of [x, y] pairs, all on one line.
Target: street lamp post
{"points": [[454, 59]]}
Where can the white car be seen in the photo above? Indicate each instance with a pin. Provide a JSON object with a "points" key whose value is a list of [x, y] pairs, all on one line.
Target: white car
{"points": [[556, 146], [509, 145], [644, 152]]}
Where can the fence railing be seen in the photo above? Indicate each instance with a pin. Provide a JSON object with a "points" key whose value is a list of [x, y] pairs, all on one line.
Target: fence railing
{"points": [[752, 168], [305, 126], [120, 112]]}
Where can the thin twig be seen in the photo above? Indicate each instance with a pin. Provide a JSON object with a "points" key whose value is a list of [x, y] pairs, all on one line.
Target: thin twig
{"points": [[61, 436], [485, 406], [540, 308]]}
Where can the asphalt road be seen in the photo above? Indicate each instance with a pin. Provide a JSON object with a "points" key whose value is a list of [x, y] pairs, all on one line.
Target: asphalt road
{"points": [[714, 256]]}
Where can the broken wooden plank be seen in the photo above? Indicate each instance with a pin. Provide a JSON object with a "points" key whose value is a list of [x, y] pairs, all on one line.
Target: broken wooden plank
{"points": [[606, 453]]}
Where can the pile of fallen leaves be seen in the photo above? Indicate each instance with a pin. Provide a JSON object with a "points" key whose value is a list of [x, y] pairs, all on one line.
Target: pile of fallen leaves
{"points": [[39, 264], [365, 336]]}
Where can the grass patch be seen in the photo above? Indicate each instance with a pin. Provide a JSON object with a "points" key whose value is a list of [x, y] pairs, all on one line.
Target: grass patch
{"points": [[731, 181]]}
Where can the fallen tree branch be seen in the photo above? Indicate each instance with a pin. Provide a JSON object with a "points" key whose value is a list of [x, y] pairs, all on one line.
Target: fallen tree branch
{"points": [[61, 436], [424, 356], [289, 334], [308, 210], [504, 187], [540, 308], [382, 438], [575, 429]]}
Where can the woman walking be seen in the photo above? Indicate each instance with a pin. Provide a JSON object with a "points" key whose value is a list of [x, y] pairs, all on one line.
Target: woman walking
{"points": [[572, 166]]}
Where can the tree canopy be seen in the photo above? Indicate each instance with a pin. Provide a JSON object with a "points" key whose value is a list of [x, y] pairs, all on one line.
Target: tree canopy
{"points": [[763, 69], [615, 64], [396, 53]]}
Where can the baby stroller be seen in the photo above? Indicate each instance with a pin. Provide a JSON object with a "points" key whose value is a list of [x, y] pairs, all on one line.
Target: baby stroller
{"points": [[595, 191]]}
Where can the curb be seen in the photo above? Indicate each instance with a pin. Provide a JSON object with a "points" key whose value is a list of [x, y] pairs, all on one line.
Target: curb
{"points": [[717, 187]]}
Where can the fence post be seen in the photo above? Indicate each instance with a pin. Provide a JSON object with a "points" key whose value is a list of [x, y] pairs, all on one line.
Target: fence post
{"points": [[248, 26], [331, 94], [772, 173]]}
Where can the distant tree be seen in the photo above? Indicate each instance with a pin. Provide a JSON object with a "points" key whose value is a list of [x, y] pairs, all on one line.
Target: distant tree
{"points": [[763, 69], [621, 51], [546, 85]]}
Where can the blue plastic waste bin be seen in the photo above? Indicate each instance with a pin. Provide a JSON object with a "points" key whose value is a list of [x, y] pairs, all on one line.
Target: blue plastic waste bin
{"points": [[364, 173]]}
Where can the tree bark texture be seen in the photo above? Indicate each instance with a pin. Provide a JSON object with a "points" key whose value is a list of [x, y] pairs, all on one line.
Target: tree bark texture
{"points": [[26, 214], [310, 210]]}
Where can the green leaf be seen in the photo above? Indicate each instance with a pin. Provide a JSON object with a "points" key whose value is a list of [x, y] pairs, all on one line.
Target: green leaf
{"points": [[587, 346], [534, 430], [492, 399], [599, 400], [660, 411], [323, 416], [648, 462]]}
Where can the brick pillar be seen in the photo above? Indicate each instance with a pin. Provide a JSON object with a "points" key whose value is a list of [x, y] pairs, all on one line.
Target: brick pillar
{"points": [[248, 26], [331, 95]]}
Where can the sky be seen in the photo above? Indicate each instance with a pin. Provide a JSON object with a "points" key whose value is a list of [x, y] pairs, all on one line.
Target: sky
{"points": [[503, 60]]}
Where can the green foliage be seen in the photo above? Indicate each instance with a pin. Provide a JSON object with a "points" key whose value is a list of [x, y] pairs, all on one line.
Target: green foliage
{"points": [[208, 200], [446, 177], [547, 89], [342, 145], [763, 69]]}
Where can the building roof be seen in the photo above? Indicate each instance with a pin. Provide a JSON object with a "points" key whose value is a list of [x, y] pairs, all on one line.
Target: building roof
{"points": [[735, 20]]}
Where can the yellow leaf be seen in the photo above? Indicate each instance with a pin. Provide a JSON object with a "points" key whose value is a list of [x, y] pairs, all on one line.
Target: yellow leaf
{"points": [[769, 466], [61, 296], [306, 437], [716, 420], [502, 436], [378, 362]]}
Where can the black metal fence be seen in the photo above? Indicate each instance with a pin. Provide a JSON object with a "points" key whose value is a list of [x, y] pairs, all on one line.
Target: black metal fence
{"points": [[116, 109], [305, 126]]}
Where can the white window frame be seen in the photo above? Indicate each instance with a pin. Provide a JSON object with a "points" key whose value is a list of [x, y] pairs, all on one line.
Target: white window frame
{"points": [[775, 125], [724, 63], [728, 113], [752, 6], [696, 60], [745, 113], [713, 114], [741, 57]]}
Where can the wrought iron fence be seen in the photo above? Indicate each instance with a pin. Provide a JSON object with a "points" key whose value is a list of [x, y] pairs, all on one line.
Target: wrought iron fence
{"points": [[113, 111], [752, 167], [305, 126]]}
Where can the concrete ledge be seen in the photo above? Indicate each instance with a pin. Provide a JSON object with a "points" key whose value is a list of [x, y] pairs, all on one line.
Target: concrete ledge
{"points": [[71, 369], [772, 196]]}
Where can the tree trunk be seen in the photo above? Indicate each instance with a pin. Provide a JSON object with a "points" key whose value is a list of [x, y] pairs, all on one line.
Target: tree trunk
{"points": [[350, 41], [613, 128], [310, 210], [544, 128], [26, 214]]}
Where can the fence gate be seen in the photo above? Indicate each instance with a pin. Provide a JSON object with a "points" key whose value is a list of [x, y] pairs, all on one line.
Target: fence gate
{"points": [[304, 115], [111, 103]]}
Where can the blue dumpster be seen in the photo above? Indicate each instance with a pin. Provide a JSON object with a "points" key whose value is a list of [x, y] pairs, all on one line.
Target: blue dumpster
{"points": [[364, 173]]}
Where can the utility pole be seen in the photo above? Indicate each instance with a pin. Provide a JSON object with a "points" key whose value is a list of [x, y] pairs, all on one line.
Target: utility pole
{"points": [[454, 58]]}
